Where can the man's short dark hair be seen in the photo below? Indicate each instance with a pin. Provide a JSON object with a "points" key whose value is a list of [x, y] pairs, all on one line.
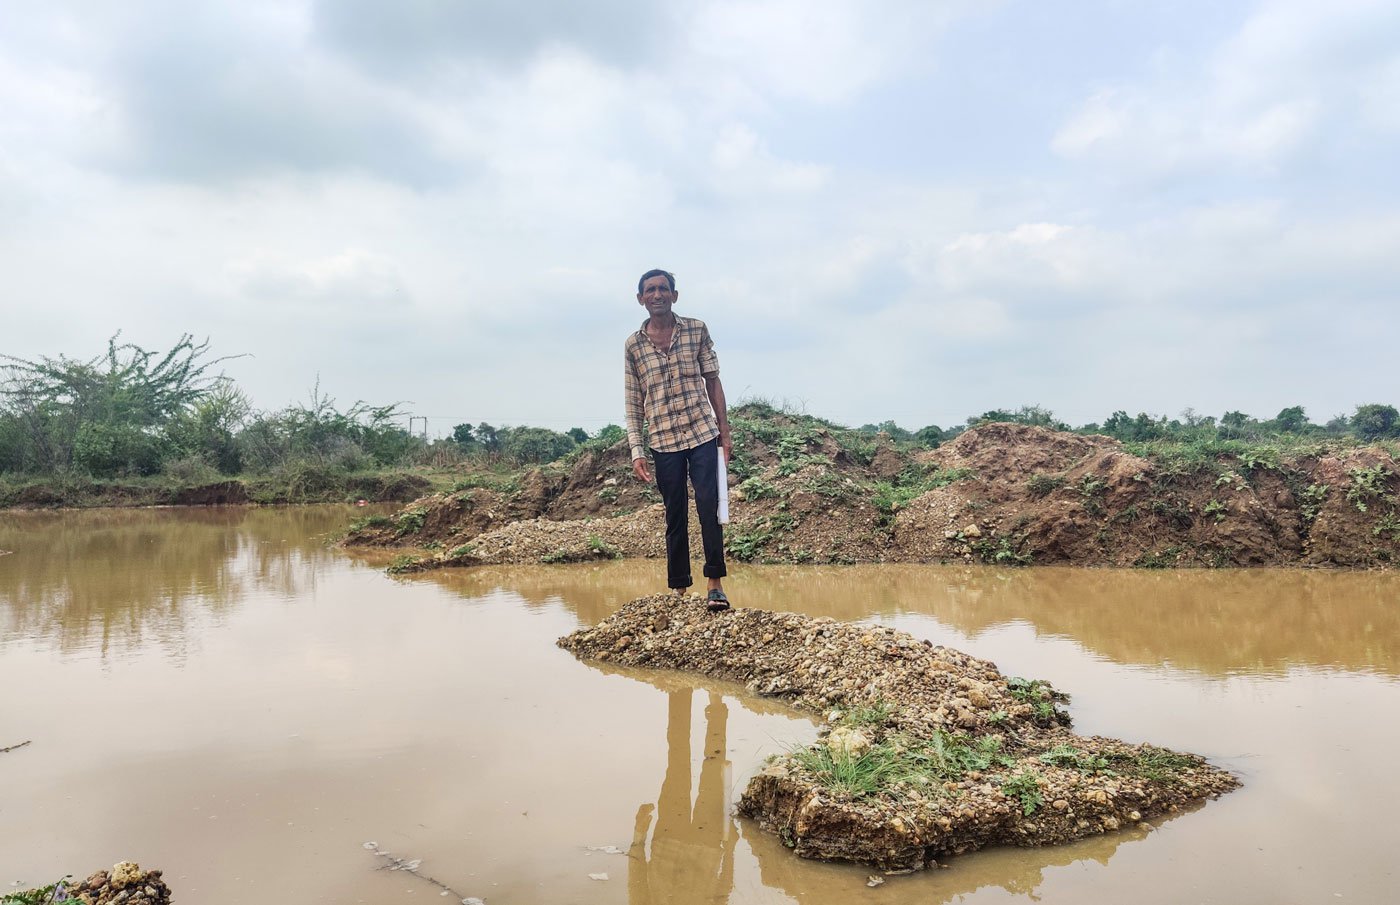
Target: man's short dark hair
{"points": [[670, 279]]}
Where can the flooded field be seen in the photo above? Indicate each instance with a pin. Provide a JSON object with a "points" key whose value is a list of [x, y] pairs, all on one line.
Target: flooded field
{"points": [[219, 694]]}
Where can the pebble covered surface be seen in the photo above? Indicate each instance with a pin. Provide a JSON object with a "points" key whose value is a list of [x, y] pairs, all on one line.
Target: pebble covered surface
{"points": [[1034, 781], [125, 884]]}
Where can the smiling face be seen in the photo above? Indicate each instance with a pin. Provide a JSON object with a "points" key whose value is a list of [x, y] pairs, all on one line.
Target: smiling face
{"points": [[657, 296]]}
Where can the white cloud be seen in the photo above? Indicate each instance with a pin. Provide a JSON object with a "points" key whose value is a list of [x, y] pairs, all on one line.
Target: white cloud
{"points": [[1266, 93]]}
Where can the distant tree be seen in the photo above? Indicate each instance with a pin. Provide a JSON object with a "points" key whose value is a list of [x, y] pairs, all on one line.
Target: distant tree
{"points": [[1237, 426], [534, 445], [992, 416], [106, 415], [1038, 416], [929, 436], [462, 435], [1337, 425], [1142, 427], [609, 434], [487, 436], [578, 434], [1291, 420], [1376, 422]]}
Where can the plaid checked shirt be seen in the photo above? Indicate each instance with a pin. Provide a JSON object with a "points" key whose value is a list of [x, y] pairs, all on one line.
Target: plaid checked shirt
{"points": [[665, 391]]}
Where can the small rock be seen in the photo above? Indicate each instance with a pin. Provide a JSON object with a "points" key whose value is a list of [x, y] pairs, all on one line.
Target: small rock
{"points": [[597, 876], [873, 880]]}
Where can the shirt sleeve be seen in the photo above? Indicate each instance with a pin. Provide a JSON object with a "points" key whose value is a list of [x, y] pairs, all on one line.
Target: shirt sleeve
{"points": [[633, 414], [709, 361]]}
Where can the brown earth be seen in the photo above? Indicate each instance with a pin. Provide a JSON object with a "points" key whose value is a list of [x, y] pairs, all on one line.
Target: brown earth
{"points": [[970, 757], [806, 492]]}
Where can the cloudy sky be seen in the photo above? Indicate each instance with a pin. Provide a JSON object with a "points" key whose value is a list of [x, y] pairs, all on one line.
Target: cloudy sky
{"points": [[906, 209]]}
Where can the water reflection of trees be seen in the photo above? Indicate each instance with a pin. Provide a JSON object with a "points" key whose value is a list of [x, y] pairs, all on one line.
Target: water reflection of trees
{"points": [[1213, 622], [121, 578]]}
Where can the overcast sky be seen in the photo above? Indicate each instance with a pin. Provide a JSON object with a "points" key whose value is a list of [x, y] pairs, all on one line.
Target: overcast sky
{"points": [[883, 209]]}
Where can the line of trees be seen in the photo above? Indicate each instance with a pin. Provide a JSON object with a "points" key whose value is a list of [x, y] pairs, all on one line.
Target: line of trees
{"points": [[1369, 423], [134, 412]]}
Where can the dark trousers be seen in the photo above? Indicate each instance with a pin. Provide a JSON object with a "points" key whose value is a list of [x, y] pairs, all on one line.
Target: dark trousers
{"points": [[702, 465]]}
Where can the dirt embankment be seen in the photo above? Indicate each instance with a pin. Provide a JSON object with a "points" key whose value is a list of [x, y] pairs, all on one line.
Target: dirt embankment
{"points": [[806, 492], [926, 751], [312, 487]]}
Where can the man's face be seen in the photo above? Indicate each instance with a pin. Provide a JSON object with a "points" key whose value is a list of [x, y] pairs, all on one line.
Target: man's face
{"points": [[657, 296]]}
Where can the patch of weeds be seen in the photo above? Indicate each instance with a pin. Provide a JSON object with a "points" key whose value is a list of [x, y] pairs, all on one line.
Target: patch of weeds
{"points": [[54, 892], [368, 522], [1130, 514], [898, 761], [1173, 512], [608, 494], [500, 483], [411, 521], [1156, 764], [1025, 789], [1217, 509], [1389, 524], [746, 545], [1042, 485], [997, 717], [1041, 696], [1071, 757], [1001, 551], [1310, 501], [599, 547], [877, 714], [554, 557], [404, 563], [755, 488], [1091, 490], [460, 552], [1367, 485], [1158, 559]]}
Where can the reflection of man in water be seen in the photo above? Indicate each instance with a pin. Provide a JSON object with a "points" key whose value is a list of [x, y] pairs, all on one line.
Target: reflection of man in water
{"points": [[692, 848]]}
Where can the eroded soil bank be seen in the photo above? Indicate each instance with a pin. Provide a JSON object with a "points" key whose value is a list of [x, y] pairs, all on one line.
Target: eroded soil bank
{"points": [[926, 751], [805, 491]]}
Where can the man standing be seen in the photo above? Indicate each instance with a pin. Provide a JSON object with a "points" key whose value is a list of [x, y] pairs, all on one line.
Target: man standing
{"points": [[671, 384]]}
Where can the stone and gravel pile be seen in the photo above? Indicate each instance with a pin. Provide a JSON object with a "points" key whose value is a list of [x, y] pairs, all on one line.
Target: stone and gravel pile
{"points": [[989, 759], [125, 884]]}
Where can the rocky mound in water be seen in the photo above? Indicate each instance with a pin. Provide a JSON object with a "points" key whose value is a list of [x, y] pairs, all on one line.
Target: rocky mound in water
{"points": [[125, 884], [926, 751], [806, 491]]}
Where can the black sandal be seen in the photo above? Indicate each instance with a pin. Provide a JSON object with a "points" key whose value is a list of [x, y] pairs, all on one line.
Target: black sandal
{"points": [[716, 602]]}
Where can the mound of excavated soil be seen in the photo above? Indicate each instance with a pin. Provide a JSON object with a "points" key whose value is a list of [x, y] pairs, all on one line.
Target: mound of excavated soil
{"points": [[1000, 493], [970, 757]]}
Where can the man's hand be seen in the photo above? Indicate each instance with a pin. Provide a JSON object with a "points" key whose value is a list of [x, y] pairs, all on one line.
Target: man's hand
{"points": [[726, 443], [639, 468]]}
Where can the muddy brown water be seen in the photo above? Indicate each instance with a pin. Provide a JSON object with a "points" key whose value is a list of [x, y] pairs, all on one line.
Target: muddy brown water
{"points": [[220, 694]]}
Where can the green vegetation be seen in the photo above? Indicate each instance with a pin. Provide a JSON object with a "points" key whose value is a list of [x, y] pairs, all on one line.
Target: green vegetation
{"points": [[1025, 788], [1041, 696], [1368, 485], [134, 425], [1156, 764], [1042, 485], [1069, 756], [899, 761], [54, 892]]}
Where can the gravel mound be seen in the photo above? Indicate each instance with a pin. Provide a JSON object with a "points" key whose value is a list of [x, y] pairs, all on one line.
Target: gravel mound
{"points": [[926, 751]]}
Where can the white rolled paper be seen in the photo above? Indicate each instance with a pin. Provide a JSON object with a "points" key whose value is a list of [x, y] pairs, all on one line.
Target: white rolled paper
{"points": [[723, 472]]}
